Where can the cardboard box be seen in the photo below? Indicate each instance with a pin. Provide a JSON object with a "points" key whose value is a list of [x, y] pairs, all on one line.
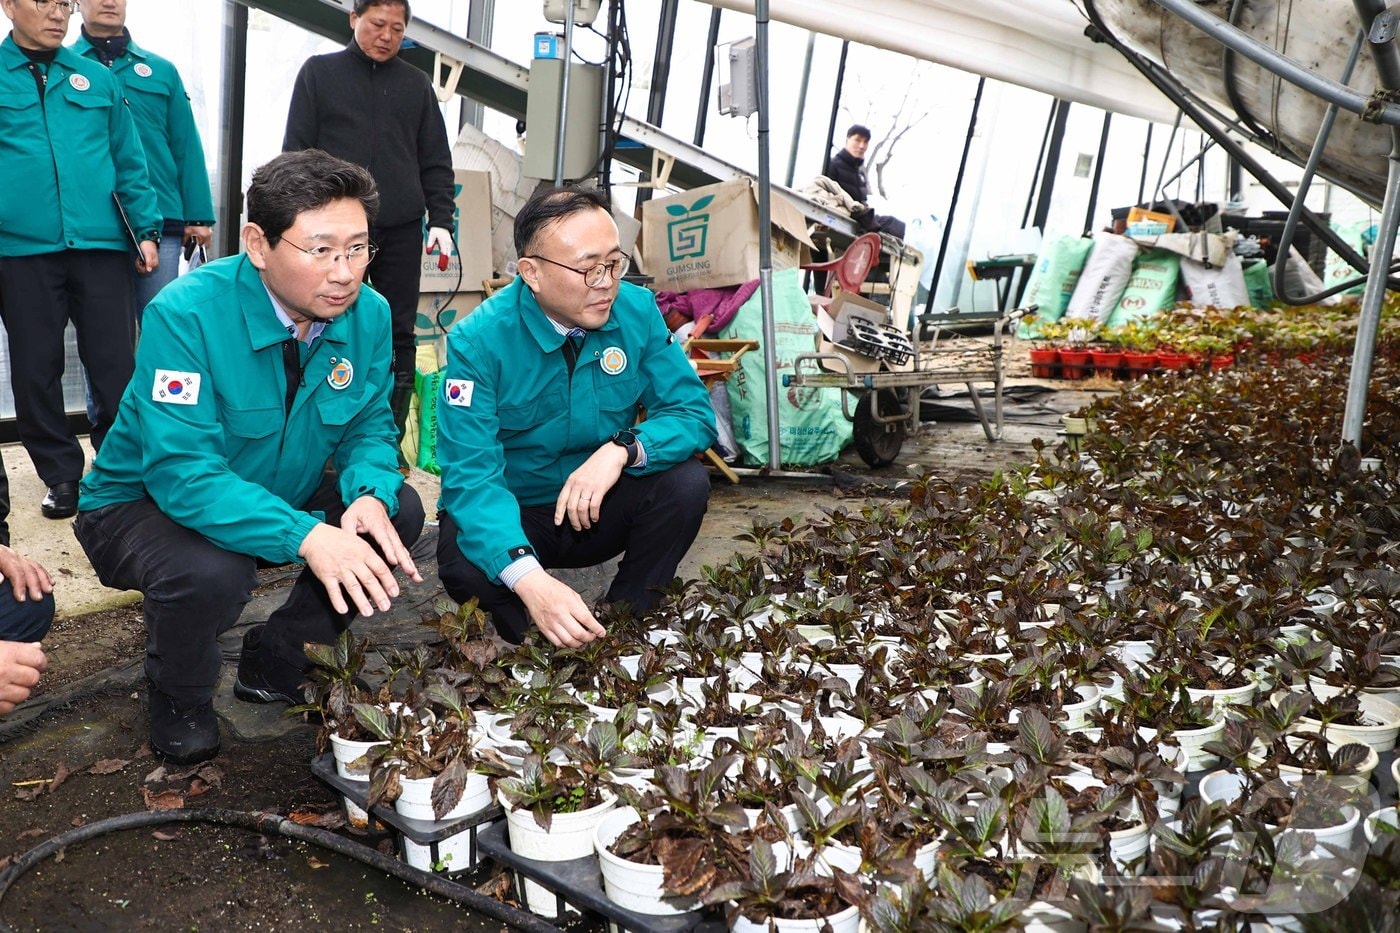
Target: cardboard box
{"points": [[708, 237], [832, 324], [439, 313], [473, 219]]}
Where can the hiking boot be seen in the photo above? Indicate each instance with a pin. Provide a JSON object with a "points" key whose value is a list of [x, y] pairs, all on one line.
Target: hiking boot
{"points": [[256, 683], [182, 733]]}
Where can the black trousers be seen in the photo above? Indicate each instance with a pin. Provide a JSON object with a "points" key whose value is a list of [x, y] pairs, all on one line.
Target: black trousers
{"points": [[650, 520], [194, 590], [39, 295], [19, 621], [395, 273]]}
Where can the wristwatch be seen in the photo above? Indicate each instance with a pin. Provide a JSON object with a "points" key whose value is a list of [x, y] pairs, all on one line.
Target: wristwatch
{"points": [[627, 440]]}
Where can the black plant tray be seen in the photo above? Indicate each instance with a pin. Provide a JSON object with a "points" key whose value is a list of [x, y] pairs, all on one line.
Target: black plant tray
{"points": [[423, 832], [579, 882]]}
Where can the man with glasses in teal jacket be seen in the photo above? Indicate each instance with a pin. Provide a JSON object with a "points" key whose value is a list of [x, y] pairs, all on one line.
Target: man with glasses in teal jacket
{"points": [[71, 157], [543, 462], [165, 123], [250, 377]]}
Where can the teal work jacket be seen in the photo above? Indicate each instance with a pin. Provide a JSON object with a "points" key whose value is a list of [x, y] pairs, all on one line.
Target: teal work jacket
{"points": [[202, 429], [513, 424], [65, 155], [164, 121]]}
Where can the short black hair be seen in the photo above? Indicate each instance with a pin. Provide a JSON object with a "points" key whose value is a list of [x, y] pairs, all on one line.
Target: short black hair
{"points": [[858, 130], [296, 182], [550, 204], [362, 5]]}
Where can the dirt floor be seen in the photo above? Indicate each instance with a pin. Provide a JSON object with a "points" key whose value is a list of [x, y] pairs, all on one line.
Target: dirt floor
{"points": [[77, 753]]}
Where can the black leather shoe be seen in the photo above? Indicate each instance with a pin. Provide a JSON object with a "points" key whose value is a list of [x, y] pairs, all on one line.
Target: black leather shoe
{"points": [[255, 683], [182, 733], [61, 501]]}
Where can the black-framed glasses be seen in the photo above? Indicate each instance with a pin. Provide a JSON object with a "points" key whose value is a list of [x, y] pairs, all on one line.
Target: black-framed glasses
{"points": [[356, 257], [595, 276], [66, 7]]}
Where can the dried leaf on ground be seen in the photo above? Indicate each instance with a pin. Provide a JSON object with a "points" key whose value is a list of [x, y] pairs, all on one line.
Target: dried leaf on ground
{"points": [[212, 775], [314, 862], [59, 776], [332, 819], [77, 821], [162, 836], [6, 862], [155, 776], [165, 800], [108, 766], [144, 751], [32, 832], [31, 792], [197, 788]]}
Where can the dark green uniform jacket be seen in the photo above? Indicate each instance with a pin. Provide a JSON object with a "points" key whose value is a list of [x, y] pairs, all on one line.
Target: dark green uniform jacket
{"points": [[165, 123], [202, 429], [64, 157], [513, 424]]}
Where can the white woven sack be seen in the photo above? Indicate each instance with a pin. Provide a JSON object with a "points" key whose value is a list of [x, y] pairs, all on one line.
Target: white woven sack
{"points": [[1217, 286], [1105, 277]]}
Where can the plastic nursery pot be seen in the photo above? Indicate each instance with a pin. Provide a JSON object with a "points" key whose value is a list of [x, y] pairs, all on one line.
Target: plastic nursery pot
{"points": [[1045, 364], [1222, 362], [847, 921], [351, 764], [1137, 365], [416, 801], [632, 885], [1225, 786], [570, 836], [1380, 728], [1387, 816], [1074, 364], [1175, 361], [1107, 362]]}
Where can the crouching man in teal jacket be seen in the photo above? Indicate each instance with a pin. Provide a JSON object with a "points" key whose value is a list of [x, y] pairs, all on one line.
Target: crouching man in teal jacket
{"points": [[543, 462], [251, 374]]}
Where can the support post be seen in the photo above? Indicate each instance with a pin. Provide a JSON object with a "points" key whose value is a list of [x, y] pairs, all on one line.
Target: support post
{"points": [[765, 241], [1098, 172], [235, 106], [801, 106], [564, 93], [1052, 164], [953, 201], [835, 107], [707, 78]]}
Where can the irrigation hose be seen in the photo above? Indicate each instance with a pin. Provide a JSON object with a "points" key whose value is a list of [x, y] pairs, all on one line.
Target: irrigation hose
{"points": [[273, 823]]}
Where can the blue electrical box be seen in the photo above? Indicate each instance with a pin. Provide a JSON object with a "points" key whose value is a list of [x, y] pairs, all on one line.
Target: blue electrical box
{"points": [[549, 45]]}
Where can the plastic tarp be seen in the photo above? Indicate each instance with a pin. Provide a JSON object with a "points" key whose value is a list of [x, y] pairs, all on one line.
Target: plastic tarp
{"points": [[1038, 44]]}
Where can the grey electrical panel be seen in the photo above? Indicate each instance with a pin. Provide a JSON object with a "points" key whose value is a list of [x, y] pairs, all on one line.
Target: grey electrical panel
{"points": [[738, 78], [583, 120]]}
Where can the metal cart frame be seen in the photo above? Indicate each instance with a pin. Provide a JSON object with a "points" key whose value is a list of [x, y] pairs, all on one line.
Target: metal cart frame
{"points": [[880, 419]]}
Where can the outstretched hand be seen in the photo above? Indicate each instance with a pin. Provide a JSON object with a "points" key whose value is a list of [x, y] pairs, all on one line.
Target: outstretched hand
{"points": [[21, 664], [557, 610], [346, 564]]}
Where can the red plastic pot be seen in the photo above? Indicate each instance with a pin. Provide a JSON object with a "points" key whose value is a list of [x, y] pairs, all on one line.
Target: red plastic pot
{"points": [[1221, 362], [1139, 364], [1074, 364], [1045, 364], [1107, 362], [1173, 361]]}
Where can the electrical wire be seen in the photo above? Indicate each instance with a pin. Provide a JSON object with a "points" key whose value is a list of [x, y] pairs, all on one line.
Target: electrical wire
{"points": [[268, 823], [456, 289]]}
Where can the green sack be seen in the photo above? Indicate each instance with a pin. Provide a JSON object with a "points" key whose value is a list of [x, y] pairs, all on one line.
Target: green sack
{"points": [[1052, 281], [1359, 236], [1152, 288], [1257, 280], [429, 388], [812, 428]]}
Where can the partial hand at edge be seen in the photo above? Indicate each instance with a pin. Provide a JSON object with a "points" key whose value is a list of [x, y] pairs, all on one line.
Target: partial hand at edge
{"points": [[28, 578], [150, 256], [583, 493], [557, 610], [21, 664]]}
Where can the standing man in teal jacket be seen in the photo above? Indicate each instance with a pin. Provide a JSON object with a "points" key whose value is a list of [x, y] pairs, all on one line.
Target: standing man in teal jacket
{"points": [[70, 154], [543, 462], [165, 123], [250, 377]]}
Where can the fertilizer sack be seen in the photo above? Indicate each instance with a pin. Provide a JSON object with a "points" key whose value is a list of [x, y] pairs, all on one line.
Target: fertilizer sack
{"points": [[1105, 277], [1052, 281], [812, 428], [429, 387], [1151, 289], [1216, 286]]}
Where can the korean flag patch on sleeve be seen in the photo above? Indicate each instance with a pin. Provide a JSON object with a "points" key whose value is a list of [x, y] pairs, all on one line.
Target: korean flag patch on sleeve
{"points": [[459, 392], [175, 388]]}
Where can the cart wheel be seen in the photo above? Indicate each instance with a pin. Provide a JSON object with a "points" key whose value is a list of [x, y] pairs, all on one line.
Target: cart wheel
{"points": [[878, 444]]}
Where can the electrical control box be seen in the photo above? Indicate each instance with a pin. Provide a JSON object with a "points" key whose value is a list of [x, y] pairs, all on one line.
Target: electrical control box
{"points": [[738, 78], [585, 11], [583, 120]]}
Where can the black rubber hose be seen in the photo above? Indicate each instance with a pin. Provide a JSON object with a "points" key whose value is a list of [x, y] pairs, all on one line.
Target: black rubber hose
{"points": [[274, 823]]}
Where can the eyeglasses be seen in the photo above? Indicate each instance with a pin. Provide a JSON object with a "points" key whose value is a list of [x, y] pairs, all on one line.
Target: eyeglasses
{"points": [[595, 276], [356, 257], [66, 7]]}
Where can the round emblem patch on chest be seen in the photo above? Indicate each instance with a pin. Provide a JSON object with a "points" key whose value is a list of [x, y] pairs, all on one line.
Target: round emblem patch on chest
{"points": [[142, 69], [614, 361], [341, 374], [79, 82]]}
